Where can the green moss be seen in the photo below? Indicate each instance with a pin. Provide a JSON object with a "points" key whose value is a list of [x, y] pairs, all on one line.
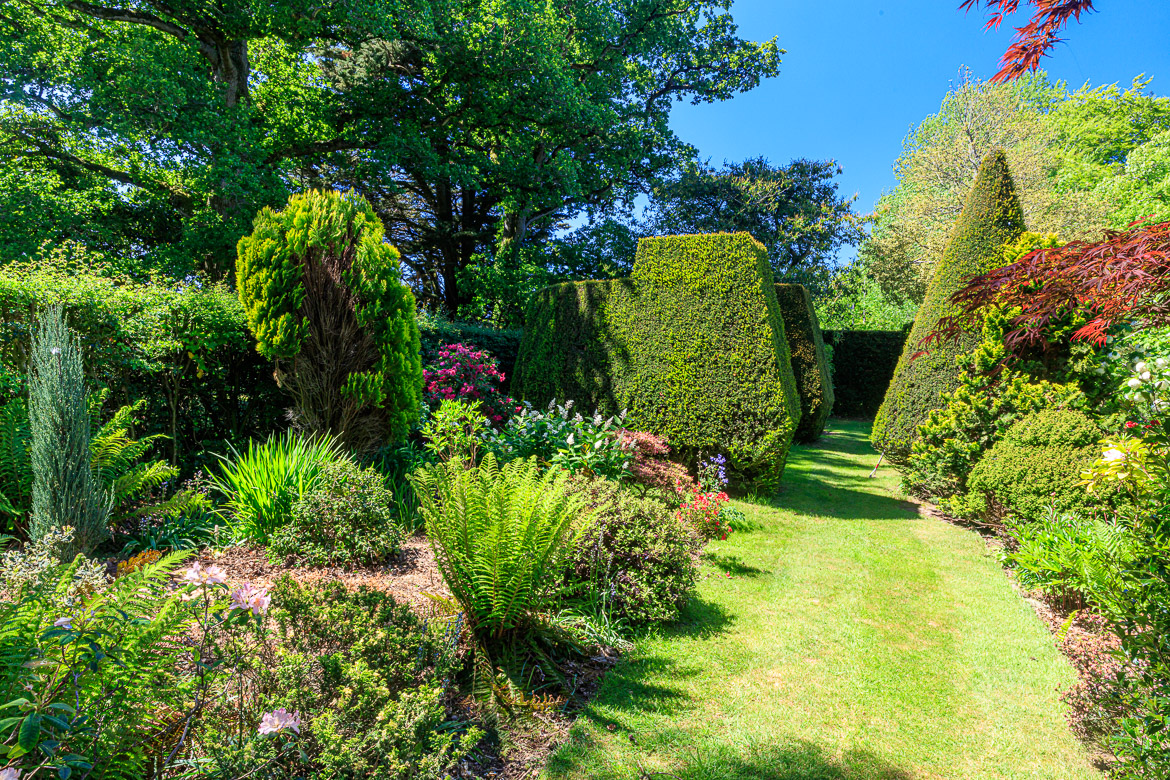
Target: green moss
{"points": [[809, 365], [991, 218], [1037, 466], [693, 345]]}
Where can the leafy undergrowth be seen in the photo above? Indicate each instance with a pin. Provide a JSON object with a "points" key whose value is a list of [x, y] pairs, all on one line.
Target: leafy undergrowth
{"points": [[839, 635]]}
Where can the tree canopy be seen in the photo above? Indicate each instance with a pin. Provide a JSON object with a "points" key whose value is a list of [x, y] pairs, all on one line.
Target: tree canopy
{"points": [[794, 210], [470, 127]]}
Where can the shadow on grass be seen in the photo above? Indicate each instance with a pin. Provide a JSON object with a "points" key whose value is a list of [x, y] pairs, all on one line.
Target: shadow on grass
{"points": [[792, 760], [732, 564]]}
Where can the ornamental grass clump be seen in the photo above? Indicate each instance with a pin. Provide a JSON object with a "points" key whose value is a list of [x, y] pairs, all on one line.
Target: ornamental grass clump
{"points": [[263, 483]]}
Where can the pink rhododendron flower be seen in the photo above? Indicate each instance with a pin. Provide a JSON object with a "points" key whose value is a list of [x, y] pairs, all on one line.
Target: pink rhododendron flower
{"points": [[204, 578], [278, 720], [250, 598]]}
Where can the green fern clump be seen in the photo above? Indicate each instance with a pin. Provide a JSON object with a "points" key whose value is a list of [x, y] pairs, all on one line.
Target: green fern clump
{"points": [[91, 667], [66, 492], [502, 537], [325, 300], [991, 218], [16, 474]]}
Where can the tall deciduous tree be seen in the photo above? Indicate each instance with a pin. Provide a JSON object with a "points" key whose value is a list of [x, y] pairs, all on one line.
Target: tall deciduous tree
{"points": [[794, 210], [467, 125]]}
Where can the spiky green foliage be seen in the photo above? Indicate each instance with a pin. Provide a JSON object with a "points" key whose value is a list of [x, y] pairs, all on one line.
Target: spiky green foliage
{"points": [[501, 536], [325, 300], [65, 492], [692, 344], [990, 218], [809, 365], [263, 483]]}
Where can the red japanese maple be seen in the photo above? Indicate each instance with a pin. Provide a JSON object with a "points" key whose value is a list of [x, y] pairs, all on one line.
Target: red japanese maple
{"points": [[1124, 277], [1035, 39]]}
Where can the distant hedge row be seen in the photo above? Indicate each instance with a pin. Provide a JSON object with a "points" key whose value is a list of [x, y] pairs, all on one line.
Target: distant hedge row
{"points": [[863, 365], [693, 345]]}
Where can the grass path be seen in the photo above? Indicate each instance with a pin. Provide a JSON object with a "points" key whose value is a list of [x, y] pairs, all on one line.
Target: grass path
{"points": [[853, 639]]}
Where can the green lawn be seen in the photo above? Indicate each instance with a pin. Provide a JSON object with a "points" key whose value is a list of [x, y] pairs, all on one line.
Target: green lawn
{"points": [[852, 639]]}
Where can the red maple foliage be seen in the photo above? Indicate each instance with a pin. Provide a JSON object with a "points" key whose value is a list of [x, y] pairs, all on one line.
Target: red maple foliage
{"points": [[1124, 277], [1035, 39]]}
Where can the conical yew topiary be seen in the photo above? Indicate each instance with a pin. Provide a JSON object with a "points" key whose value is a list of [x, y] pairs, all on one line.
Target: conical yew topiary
{"points": [[991, 218]]}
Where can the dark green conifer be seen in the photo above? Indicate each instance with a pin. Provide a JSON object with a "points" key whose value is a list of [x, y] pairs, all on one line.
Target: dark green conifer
{"points": [[65, 491], [990, 218]]}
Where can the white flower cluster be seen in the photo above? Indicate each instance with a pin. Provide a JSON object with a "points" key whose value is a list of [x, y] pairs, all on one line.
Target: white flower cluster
{"points": [[37, 566], [1149, 385]]}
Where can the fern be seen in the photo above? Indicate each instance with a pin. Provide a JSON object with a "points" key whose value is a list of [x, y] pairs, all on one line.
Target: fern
{"points": [[118, 463], [15, 459], [501, 537]]}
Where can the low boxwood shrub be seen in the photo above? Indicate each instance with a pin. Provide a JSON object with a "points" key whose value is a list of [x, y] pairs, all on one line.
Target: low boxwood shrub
{"points": [[809, 363], [638, 559], [1036, 468], [347, 517]]}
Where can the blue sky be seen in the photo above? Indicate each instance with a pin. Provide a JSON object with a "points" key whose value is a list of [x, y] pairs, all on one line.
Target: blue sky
{"points": [[860, 73]]}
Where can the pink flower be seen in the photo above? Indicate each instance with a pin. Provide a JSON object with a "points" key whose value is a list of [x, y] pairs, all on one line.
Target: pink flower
{"points": [[11, 773], [204, 578], [278, 720], [248, 597], [65, 622]]}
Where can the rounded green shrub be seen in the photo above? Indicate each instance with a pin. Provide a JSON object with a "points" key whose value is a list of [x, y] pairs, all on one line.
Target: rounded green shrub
{"points": [[637, 559], [990, 218], [1036, 467], [809, 364], [346, 518], [323, 295]]}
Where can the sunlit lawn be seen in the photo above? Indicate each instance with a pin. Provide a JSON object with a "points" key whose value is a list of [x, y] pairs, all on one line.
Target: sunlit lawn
{"points": [[852, 639]]}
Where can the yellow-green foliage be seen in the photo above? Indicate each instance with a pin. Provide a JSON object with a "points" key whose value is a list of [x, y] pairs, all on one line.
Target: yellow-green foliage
{"points": [[991, 218], [693, 345], [324, 297], [1037, 465], [813, 380]]}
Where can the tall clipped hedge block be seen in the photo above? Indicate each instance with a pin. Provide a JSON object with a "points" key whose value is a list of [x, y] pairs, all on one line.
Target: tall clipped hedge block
{"points": [[809, 365], [692, 345], [990, 218], [324, 297]]}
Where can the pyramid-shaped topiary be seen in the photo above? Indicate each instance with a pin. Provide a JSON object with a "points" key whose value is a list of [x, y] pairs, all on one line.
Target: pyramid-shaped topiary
{"points": [[991, 218], [808, 360]]}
